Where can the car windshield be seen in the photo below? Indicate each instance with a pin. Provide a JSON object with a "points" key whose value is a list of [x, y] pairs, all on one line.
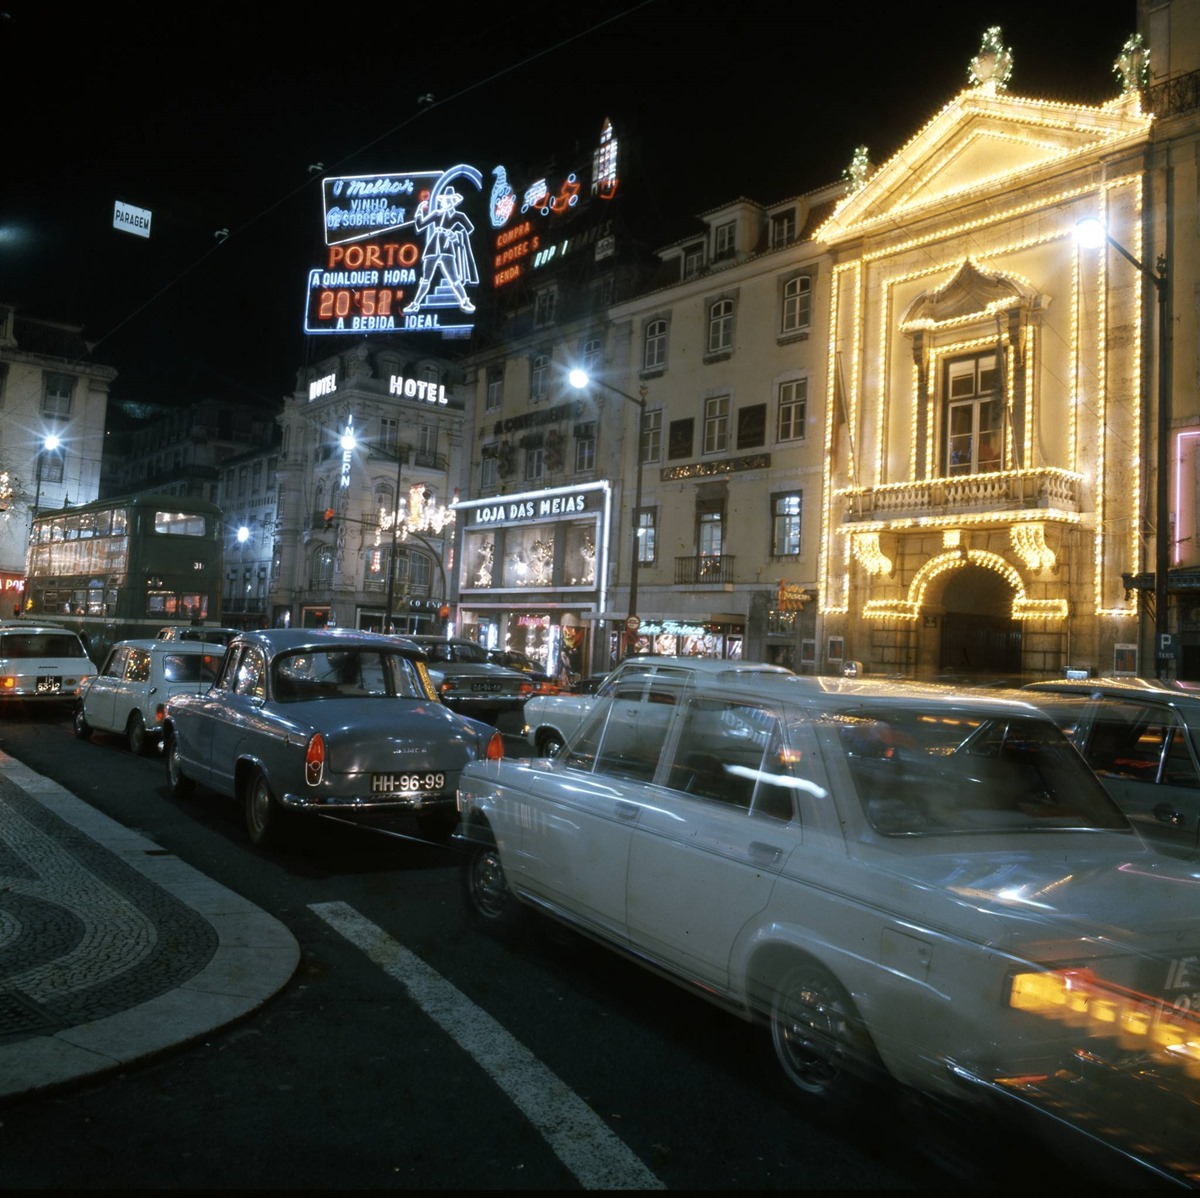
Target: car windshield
{"points": [[344, 674], [41, 644], [928, 773]]}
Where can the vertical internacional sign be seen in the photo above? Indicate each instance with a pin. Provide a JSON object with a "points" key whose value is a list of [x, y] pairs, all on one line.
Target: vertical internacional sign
{"points": [[131, 220], [398, 255]]}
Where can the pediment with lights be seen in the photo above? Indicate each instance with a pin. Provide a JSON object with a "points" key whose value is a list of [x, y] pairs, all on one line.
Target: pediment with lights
{"points": [[970, 294], [982, 140]]}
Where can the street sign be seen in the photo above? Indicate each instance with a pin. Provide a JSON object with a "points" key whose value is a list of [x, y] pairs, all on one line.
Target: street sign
{"points": [[1166, 646], [632, 623], [131, 219]]}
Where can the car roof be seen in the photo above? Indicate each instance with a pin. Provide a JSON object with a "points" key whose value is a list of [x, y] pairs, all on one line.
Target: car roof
{"points": [[706, 665], [284, 640], [25, 626], [156, 645]]}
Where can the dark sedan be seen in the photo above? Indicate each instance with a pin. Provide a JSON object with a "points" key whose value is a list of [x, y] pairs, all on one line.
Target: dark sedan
{"points": [[334, 723]]}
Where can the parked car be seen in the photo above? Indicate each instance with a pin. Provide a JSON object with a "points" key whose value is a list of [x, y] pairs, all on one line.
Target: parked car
{"points": [[929, 887], [41, 663], [324, 722], [1143, 740], [197, 632], [551, 720], [468, 682], [511, 659], [129, 695]]}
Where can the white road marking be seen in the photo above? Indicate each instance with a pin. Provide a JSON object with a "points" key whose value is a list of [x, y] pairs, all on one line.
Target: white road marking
{"points": [[575, 1133]]}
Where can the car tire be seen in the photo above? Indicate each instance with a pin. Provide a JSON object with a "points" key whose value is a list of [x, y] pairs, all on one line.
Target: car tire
{"points": [[264, 816], [83, 729], [135, 733], [819, 1040], [550, 744], [489, 903], [178, 783]]}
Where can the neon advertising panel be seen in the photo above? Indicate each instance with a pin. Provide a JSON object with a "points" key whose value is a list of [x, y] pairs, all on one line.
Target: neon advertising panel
{"points": [[398, 255]]}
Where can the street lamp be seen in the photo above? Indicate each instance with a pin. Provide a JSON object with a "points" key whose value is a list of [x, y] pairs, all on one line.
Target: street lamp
{"points": [[580, 379], [1093, 233], [49, 445]]}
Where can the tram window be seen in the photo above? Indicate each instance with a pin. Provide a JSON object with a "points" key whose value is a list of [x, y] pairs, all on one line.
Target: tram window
{"points": [[179, 524], [160, 603]]}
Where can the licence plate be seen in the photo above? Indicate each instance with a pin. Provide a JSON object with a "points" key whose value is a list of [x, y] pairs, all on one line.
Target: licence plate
{"points": [[49, 686], [406, 784], [489, 687]]}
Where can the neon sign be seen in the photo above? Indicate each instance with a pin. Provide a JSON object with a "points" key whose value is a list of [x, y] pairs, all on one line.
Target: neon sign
{"points": [[398, 255]]}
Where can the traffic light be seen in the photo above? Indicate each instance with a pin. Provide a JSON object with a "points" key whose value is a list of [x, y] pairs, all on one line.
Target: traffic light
{"points": [[329, 514]]}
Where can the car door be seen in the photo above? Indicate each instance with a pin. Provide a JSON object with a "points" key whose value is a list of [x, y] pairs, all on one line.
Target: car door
{"points": [[705, 855], [100, 699], [1144, 756], [575, 843], [234, 709], [129, 693]]}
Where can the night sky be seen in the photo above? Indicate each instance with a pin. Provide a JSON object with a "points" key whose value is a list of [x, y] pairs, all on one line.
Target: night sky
{"points": [[211, 116]]}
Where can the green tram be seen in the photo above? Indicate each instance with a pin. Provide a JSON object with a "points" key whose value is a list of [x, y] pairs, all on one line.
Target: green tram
{"points": [[125, 567]]}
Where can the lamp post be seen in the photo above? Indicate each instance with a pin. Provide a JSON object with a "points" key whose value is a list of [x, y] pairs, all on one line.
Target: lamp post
{"points": [[1092, 233], [49, 445], [580, 379], [391, 587]]}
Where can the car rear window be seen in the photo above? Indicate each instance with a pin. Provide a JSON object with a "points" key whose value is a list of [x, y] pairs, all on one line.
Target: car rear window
{"points": [[40, 644], [190, 667], [928, 773], [344, 674]]}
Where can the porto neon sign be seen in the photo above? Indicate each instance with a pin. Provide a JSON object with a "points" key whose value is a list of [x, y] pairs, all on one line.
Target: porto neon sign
{"points": [[398, 255]]}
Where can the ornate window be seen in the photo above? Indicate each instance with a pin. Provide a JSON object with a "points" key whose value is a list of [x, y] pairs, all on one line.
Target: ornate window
{"points": [[974, 415]]}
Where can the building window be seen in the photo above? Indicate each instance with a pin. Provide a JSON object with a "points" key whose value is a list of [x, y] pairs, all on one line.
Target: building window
{"points": [[786, 510], [720, 326], [593, 356], [57, 390], [389, 435], [693, 260], [585, 447], [535, 463], [716, 424], [681, 435], [709, 537], [797, 304], [724, 240], [654, 354], [427, 445], [323, 568], [974, 432], [647, 530], [651, 447], [50, 466], [243, 479], [793, 410], [430, 374], [543, 307], [539, 378], [783, 228], [489, 474], [495, 388]]}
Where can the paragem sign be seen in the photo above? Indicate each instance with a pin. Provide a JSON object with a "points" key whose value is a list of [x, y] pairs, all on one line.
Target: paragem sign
{"points": [[397, 257]]}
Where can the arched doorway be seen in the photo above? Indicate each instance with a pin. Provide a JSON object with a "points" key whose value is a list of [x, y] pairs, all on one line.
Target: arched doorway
{"points": [[979, 634]]}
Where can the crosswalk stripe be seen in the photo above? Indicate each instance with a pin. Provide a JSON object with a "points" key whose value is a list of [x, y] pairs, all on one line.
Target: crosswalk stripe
{"points": [[579, 1138]]}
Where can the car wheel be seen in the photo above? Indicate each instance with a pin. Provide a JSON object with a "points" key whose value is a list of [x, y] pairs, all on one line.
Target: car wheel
{"points": [[550, 744], [178, 783], [83, 729], [490, 904], [818, 1037], [135, 733], [263, 813]]}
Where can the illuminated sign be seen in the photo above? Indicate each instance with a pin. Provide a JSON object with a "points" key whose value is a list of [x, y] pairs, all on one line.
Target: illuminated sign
{"points": [[347, 450], [131, 220], [529, 509], [398, 255], [326, 385], [417, 389]]}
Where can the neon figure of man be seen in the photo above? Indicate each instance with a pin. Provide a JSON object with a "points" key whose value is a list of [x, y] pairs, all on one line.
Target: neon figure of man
{"points": [[447, 249]]}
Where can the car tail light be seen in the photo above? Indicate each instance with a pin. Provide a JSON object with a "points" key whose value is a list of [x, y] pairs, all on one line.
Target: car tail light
{"points": [[526, 688], [8, 683], [314, 760], [495, 749], [1079, 998], [159, 712]]}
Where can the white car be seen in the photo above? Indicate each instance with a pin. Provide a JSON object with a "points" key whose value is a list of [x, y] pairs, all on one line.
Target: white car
{"points": [[925, 886], [551, 720], [41, 663], [130, 693]]}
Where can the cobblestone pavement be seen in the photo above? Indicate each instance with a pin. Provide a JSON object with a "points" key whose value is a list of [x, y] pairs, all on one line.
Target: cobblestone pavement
{"points": [[111, 948]]}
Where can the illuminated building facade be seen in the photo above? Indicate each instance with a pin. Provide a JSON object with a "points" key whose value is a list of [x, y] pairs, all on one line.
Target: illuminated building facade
{"points": [[53, 400], [991, 384], [367, 434]]}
